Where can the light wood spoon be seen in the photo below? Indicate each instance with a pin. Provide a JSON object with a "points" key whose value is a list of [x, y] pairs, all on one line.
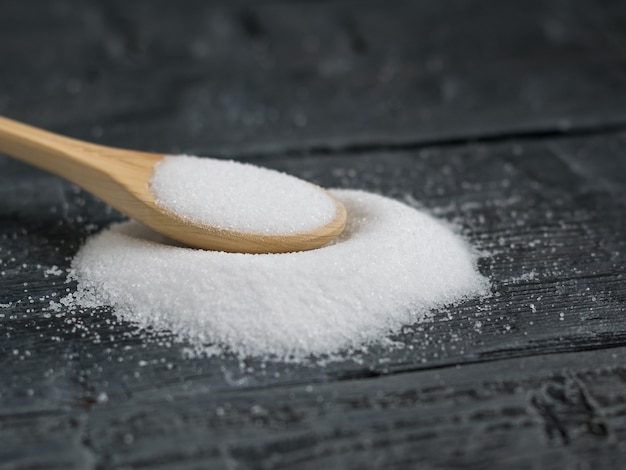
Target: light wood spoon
{"points": [[121, 179]]}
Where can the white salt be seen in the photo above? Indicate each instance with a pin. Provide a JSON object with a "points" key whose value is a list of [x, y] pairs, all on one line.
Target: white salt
{"points": [[390, 267], [238, 196]]}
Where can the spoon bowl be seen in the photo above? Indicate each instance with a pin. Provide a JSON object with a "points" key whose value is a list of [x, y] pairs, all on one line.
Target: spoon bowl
{"points": [[121, 178]]}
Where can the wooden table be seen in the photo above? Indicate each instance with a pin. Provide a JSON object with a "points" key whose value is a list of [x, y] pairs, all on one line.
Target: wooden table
{"points": [[507, 119]]}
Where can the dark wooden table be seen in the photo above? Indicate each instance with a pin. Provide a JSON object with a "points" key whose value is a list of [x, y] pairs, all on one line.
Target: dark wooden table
{"points": [[507, 118]]}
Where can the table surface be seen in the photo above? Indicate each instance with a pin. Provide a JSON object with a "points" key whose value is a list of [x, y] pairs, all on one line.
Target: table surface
{"points": [[507, 120]]}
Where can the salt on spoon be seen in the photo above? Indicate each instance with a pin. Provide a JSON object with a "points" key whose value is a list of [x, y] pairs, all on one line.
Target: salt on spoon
{"points": [[249, 209]]}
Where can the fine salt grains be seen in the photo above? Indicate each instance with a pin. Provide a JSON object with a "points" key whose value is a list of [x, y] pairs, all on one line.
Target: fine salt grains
{"points": [[390, 267], [238, 196]]}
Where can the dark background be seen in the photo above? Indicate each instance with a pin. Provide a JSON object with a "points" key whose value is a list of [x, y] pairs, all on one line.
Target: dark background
{"points": [[507, 118]]}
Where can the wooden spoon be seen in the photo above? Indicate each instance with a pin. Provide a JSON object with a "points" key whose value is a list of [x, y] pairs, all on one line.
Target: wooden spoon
{"points": [[121, 179]]}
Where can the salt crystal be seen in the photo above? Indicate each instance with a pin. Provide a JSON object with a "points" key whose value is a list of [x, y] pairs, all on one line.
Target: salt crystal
{"points": [[238, 196], [102, 397], [390, 267], [54, 271]]}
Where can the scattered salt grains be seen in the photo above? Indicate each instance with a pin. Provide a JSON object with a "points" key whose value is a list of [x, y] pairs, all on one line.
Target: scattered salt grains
{"points": [[102, 397], [390, 267], [53, 271], [238, 196]]}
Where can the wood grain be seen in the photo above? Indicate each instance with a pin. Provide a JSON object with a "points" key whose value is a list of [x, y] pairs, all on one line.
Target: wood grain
{"points": [[554, 249], [265, 77]]}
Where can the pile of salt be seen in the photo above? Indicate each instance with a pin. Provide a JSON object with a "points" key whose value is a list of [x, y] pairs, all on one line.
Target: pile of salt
{"points": [[390, 267]]}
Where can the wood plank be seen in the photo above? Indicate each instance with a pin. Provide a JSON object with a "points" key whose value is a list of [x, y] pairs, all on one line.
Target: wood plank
{"points": [[532, 376], [551, 411], [284, 76]]}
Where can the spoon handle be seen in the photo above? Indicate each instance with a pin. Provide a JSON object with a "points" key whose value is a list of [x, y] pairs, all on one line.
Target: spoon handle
{"points": [[63, 156], [82, 163]]}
